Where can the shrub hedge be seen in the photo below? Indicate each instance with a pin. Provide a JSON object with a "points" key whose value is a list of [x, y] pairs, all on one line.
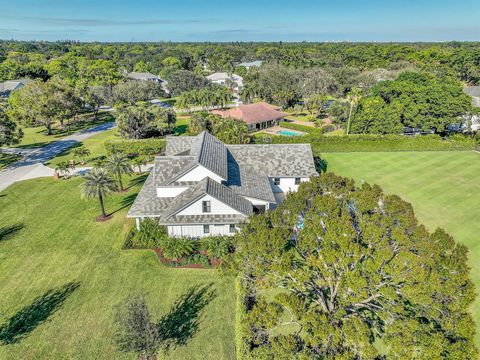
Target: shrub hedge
{"points": [[303, 128], [376, 143], [153, 146]]}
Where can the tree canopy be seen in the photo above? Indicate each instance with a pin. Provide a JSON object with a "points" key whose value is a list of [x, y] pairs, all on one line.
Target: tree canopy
{"points": [[417, 100], [144, 120], [338, 270]]}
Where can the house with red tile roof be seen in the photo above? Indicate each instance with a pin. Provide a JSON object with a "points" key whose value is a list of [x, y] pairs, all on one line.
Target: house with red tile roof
{"points": [[257, 116]]}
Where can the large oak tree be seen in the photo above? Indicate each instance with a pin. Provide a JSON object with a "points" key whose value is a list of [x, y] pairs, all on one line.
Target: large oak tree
{"points": [[341, 272]]}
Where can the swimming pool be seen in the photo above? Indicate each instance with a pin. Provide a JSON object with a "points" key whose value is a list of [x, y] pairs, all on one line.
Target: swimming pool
{"points": [[288, 133]]}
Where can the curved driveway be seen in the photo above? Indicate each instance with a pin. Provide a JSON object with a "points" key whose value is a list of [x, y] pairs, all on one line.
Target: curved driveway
{"points": [[31, 166]]}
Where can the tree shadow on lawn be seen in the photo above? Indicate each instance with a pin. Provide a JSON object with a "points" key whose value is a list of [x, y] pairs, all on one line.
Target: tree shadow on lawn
{"points": [[27, 319], [139, 180], [180, 129], [126, 202], [179, 326], [7, 232]]}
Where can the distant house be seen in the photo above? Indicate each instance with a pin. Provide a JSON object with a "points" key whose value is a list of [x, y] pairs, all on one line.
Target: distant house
{"points": [[248, 65], [7, 87], [204, 187], [474, 92], [257, 116], [223, 78], [145, 76]]}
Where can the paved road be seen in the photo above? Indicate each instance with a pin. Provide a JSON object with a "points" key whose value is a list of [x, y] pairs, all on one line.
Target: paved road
{"points": [[31, 166]]}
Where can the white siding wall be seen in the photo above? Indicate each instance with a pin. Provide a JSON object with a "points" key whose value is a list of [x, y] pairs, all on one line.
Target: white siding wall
{"points": [[170, 191], [197, 230], [199, 173], [216, 207], [286, 184]]}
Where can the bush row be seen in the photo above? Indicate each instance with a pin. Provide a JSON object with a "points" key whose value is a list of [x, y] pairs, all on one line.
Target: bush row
{"points": [[151, 146], [183, 250], [309, 129], [303, 128], [375, 143]]}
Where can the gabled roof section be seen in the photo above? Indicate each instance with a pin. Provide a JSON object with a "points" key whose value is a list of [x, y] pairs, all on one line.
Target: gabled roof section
{"points": [[204, 149], [167, 168], [177, 145], [147, 203], [211, 153], [247, 181], [276, 160], [207, 187]]}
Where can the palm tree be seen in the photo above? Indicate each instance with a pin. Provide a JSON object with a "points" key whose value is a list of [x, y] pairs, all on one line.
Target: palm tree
{"points": [[119, 165], [81, 153], [353, 97], [98, 183], [63, 168]]}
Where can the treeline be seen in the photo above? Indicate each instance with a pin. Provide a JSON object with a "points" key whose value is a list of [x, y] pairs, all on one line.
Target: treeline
{"points": [[460, 60]]}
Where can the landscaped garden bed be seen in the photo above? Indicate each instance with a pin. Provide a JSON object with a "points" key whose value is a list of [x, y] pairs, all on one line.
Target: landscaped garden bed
{"points": [[202, 253]]}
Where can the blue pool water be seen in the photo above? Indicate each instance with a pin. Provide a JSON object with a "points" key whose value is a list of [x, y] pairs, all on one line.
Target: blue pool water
{"points": [[288, 133]]}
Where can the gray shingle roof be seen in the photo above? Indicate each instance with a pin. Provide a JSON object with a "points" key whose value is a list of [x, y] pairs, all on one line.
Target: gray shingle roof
{"points": [[210, 187], [11, 85], [211, 153], [247, 182], [167, 168], [246, 169], [179, 144], [205, 149], [147, 203], [144, 76], [276, 160]]}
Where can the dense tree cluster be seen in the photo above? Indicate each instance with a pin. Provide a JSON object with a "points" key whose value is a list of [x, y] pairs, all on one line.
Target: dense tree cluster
{"points": [[43, 103], [460, 60], [144, 120], [9, 131], [340, 272], [416, 100], [205, 98]]}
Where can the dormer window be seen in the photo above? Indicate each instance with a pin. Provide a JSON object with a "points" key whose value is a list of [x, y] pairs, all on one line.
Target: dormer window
{"points": [[206, 206]]}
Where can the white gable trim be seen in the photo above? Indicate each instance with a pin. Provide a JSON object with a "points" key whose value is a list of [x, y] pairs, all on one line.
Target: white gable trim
{"points": [[198, 173], [217, 207]]}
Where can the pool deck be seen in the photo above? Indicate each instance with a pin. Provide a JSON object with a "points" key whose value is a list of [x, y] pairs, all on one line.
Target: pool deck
{"points": [[275, 129]]}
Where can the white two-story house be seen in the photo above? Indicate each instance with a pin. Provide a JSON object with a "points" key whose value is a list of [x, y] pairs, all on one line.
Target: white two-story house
{"points": [[203, 187]]}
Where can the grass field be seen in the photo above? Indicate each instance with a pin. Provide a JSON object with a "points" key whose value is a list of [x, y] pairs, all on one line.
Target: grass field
{"points": [[444, 188], [34, 137], [96, 145], [62, 274]]}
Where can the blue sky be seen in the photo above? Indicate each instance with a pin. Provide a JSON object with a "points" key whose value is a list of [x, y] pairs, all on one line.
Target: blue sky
{"points": [[247, 20]]}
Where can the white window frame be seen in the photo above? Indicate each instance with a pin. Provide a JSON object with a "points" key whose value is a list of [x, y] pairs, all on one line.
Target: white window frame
{"points": [[206, 206]]}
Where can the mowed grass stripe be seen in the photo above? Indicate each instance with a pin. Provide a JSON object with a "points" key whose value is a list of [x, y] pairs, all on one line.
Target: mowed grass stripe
{"points": [[443, 187]]}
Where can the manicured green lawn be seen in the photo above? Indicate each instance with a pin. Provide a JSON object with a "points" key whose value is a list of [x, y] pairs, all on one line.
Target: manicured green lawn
{"points": [[36, 136], [181, 127], [96, 145], [49, 239], [443, 187]]}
